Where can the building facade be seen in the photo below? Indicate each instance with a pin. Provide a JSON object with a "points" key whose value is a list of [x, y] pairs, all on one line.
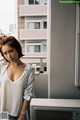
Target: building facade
{"points": [[31, 26]]}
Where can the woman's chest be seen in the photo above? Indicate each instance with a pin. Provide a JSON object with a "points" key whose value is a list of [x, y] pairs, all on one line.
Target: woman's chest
{"points": [[7, 81], [15, 73]]}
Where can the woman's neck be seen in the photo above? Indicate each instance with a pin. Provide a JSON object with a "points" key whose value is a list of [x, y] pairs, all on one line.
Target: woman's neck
{"points": [[16, 63]]}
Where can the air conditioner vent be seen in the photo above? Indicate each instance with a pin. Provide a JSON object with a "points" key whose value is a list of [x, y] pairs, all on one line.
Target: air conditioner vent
{"points": [[53, 115], [54, 109]]}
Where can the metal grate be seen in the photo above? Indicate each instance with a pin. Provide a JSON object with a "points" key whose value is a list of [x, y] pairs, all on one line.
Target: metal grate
{"points": [[53, 115]]}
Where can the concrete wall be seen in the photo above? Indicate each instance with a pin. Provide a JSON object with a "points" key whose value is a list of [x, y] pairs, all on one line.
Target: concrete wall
{"points": [[41, 85], [61, 61]]}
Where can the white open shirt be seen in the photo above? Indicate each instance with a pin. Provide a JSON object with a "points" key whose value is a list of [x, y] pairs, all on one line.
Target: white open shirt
{"points": [[12, 93]]}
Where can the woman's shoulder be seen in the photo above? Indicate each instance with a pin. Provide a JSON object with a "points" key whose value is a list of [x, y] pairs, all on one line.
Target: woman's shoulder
{"points": [[3, 66], [4, 63], [29, 67]]}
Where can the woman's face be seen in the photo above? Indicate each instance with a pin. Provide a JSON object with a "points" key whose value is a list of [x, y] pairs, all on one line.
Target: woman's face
{"points": [[9, 53]]}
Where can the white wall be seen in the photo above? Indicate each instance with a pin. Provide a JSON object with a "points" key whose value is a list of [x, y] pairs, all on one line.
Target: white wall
{"points": [[61, 50]]}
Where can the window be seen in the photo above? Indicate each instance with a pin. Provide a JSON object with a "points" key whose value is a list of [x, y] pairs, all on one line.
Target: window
{"points": [[34, 25], [45, 25], [45, 69], [33, 47], [38, 69], [36, 47], [37, 25], [31, 1], [30, 25], [37, 2], [30, 48], [34, 1]]}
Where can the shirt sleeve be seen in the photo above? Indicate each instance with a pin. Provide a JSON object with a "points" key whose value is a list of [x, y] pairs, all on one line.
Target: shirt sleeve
{"points": [[3, 66], [29, 89]]}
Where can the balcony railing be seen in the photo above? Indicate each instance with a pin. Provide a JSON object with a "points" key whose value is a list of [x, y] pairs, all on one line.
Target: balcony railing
{"points": [[31, 34], [32, 10]]}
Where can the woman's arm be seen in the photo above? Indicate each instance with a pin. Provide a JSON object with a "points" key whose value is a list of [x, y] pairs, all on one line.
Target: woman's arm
{"points": [[28, 94], [22, 115]]}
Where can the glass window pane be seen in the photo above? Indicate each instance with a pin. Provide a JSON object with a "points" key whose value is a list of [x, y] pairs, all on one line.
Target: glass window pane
{"points": [[31, 25], [31, 1], [45, 69], [37, 1], [37, 48], [30, 48], [37, 25], [34, 25], [45, 25]]}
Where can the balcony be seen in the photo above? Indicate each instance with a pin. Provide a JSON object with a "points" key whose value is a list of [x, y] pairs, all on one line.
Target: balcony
{"points": [[32, 10], [38, 58], [31, 34]]}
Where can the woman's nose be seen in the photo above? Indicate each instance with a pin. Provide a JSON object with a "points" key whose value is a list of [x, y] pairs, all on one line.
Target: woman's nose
{"points": [[8, 55]]}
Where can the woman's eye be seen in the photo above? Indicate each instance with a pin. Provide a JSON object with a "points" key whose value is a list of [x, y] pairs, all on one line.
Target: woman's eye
{"points": [[5, 53], [11, 51]]}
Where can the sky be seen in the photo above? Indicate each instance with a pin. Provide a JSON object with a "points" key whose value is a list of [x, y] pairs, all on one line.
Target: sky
{"points": [[6, 14]]}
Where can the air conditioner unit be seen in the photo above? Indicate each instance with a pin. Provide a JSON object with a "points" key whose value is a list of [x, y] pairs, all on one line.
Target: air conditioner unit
{"points": [[54, 109]]}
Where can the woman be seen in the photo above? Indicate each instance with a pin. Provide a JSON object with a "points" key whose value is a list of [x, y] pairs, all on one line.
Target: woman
{"points": [[16, 80]]}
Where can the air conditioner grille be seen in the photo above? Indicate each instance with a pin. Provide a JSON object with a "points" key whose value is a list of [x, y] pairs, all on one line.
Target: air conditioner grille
{"points": [[53, 115]]}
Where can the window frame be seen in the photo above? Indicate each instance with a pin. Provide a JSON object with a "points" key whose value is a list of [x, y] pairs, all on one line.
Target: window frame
{"points": [[33, 21], [33, 44]]}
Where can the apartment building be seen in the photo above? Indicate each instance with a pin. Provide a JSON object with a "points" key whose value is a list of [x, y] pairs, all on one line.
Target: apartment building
{"points": [[32, 31]]}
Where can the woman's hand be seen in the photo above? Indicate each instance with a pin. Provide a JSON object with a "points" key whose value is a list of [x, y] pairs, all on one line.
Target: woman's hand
{"points": [[22, 117]]}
